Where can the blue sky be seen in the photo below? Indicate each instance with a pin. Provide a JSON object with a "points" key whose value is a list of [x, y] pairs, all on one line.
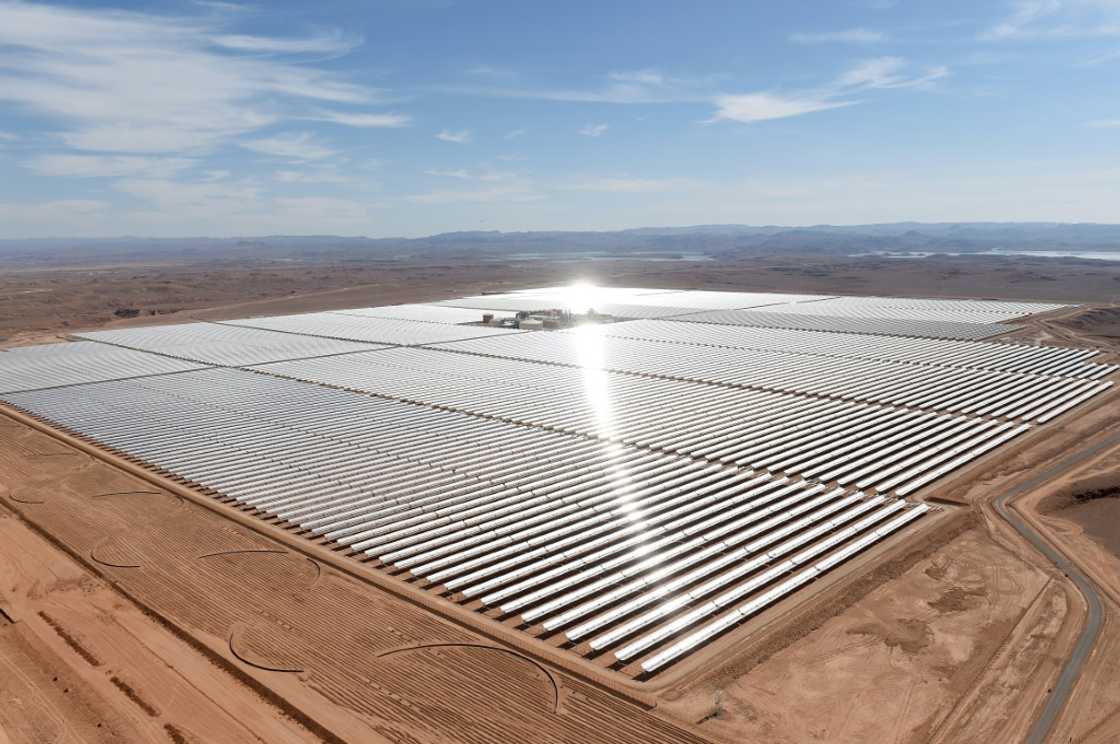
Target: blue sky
{"points": [[411, 117]]}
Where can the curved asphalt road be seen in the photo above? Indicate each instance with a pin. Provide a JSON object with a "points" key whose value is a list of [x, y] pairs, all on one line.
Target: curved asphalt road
{"points": [[1060, 693]]}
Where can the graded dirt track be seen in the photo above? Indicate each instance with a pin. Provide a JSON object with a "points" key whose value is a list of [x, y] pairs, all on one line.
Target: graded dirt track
{"points": [[82, 664], [1093, 710], [1071, 670]]}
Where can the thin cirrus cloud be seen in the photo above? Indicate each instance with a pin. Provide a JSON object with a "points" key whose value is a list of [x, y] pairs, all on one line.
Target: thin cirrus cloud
{"points": [[1057, 19], [879, 73], [490, 72], [115, 166], [887, 72], [747, 108], [500, 187], [364, 120], [222, 7], [643, 86], [846, 36], [650, 86], [459, 173], [629, 185], [514, 193], [176, 85], [463, 174], [460, 137], [331, 42], [316, 176], [294, 146], [646, 76]]}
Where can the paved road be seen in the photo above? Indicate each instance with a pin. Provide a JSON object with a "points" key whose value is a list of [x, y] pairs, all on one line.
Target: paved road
{"points": [[1060, 693]]}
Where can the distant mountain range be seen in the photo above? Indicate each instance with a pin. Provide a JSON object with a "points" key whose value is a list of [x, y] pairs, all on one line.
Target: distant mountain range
{"points": [[716, 240]]}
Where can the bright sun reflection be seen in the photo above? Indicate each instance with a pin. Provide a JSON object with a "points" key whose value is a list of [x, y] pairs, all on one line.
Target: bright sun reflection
{"points": [[580, 297], [590, 350]]}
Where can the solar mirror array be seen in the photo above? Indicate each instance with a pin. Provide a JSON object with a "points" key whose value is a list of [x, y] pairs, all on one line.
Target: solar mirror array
{"points": [[630, 490]]}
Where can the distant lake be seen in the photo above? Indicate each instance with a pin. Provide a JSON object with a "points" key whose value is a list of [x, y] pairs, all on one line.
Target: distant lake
{"points": [[1091, 255], [602, 256]]}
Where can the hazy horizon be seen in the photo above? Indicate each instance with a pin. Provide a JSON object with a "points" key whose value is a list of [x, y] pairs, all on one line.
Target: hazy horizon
{"points": [[1030, 232]]}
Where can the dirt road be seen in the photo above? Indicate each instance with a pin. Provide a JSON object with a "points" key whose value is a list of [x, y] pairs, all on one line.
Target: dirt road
{"points": [[1071, 671]]}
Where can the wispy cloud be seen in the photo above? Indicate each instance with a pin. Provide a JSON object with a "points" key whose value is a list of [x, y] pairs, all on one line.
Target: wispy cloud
{"points": [[887, 72], [500, 186], [846, 36], [133, 82], [515, 133], [1105, 123], [651, 86], [869, 74], [460, 173], [751, 107], [511, 193], [314, 176], [648, 77], [491, 72], [1057, 19], [643, 86], [460, 137], [1021, 20], [364, 120], [488, 175], [222, 7], [331, 42], [293, 146], [108, 166], [629, 185]]}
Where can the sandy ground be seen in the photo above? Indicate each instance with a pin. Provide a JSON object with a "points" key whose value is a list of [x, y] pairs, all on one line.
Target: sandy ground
{"points": [[348, 662], [892, 667], [960, 645], [82, 664], [149, 608], [1089, 531], [1099, 520]]}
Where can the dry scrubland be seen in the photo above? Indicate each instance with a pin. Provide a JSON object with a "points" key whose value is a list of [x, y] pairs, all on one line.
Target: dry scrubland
{"points": [[162, 617], [37, 300]]}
